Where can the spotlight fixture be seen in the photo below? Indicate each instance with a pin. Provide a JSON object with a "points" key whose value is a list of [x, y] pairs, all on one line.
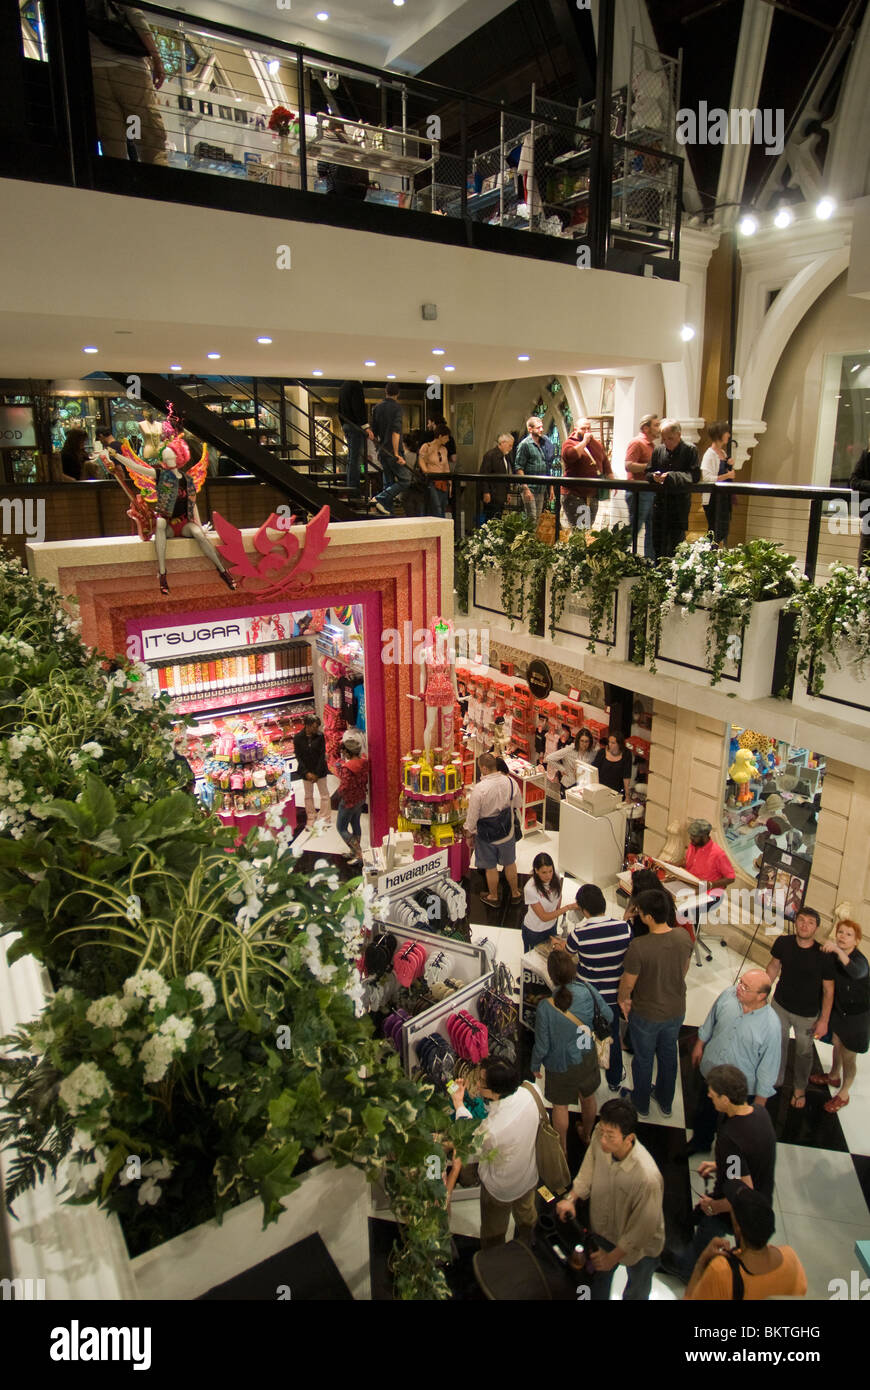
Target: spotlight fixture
{"points": [[687, 332], [449, 369], [90, 349], [370, 363], [176, 367], [213, 356], [391, 376], [523, 357], [784, 218], [317, 372], [273, 66], [437, 352], [322, 15], [264, 341], [748, 225], [825, 208]]}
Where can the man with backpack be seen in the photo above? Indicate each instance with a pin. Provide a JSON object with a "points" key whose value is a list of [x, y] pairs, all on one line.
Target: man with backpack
{"points": [[126, 68], [489, 822]]}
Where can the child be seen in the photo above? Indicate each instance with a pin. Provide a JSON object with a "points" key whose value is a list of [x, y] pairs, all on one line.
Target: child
{"points": [[353, 775]]}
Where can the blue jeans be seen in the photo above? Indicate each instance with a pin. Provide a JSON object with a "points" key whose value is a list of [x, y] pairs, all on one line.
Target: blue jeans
{"points": [[640, 1276], [356, 449], [614, 1066], [654, 1039], [437, 500], [348, 819], [531, 939], [534, 506], [642, 503], [398, 480]]}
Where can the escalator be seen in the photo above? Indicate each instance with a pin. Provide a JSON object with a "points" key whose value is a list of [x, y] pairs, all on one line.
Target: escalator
{"points": [[304, 492]]}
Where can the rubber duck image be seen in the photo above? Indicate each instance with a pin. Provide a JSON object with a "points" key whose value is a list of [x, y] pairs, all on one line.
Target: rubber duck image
{"points": [[741, 772]]}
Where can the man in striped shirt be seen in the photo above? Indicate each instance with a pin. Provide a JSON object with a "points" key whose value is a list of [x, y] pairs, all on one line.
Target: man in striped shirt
{"points": [[600, 942]]}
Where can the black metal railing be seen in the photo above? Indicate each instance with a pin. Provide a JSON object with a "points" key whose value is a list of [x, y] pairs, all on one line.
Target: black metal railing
{"points": [[468, 487], [401, 155]]}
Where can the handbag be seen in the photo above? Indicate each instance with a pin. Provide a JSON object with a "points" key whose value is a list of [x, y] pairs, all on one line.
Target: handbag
{"points": [[601, 1047], [496, 1007], [553, 1170], [546, 528]]}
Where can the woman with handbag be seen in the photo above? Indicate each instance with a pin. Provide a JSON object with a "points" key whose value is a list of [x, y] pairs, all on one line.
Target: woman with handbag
{"points": [[565, 1045]]}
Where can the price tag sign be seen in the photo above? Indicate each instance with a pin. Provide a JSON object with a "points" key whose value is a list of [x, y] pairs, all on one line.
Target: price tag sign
{"points": [[574, 695]]}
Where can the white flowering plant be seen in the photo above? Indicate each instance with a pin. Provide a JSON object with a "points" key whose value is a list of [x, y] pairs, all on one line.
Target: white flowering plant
{"points": [[831, 625], [206, 1038], [593, 564], [509, 545], [723, 583]]}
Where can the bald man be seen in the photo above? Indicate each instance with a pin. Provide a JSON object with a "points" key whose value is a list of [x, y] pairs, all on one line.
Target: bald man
{"points": [[741, 1030]]}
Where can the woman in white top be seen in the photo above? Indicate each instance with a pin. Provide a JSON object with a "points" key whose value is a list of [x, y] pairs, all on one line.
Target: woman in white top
{"points": [[717, 507], [543, 897], [565, 760]]}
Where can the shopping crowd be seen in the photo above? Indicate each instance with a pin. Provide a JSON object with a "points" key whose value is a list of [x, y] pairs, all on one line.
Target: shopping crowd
{"points": [[622, 981]]}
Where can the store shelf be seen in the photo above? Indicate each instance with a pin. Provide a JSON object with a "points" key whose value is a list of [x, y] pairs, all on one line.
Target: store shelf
{"points": [[260, 648], [228, 701]]}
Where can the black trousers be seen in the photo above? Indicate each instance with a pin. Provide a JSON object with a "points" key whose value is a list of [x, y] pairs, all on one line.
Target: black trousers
{"points": [[668, 532]]}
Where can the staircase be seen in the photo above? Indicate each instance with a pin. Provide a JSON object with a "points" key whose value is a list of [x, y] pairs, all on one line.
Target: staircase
{"points": [[306, 488]]}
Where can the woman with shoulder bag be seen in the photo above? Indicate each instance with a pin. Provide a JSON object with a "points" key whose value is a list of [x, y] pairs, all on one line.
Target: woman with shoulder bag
{"points": [[565, 1045]]}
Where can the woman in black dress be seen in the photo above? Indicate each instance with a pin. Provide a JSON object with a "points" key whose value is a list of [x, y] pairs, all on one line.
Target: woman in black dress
{"points": [[850, 1016], [614, 765]]}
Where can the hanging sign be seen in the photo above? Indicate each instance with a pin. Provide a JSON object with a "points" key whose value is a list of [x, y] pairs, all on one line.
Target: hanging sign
{"points": [[539, 679]]}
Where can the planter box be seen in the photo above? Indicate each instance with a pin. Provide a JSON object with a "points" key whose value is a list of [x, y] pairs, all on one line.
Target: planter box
{"points": [[333, 1203], [572, 630], [484, 600], [682, 651], [845, 694]]}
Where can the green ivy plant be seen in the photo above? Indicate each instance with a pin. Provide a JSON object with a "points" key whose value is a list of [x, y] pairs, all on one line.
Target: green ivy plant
{"points": [[592, 563], [205, 1043], [507, 544], [832, 624], [724, 583]]}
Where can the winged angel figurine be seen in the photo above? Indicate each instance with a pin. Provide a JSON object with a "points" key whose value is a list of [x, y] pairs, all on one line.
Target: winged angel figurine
{"points": [[168, 498]]}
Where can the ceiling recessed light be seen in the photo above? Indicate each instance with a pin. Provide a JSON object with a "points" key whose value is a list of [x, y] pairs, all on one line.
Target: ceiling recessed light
{"points": [[317, 372], [90, 349], [264, 341], [370, 363], [176, 367], [784, 218], [687, 332], [213, 356], [398, 3], [825, 208], [523, 357], [391, 376], [322, 16], [437, 352], [274, 65], [449, 369], [748, 225]]}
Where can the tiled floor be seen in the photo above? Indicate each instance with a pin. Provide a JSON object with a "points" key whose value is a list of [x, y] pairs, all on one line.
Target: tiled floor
{"points": [[822, 1197]]}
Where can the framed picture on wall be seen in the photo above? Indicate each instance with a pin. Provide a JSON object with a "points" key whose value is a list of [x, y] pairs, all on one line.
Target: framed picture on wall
{"points": [[465, 422], [782, 881]]}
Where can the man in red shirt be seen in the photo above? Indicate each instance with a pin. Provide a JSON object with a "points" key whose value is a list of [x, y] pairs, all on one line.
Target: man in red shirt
{"points": [[707, 861], [353, 776], [583, 456], [637, 456]]}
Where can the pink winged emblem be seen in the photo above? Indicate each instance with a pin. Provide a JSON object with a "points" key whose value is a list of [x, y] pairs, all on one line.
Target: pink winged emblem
{"points": [[283, 565]]}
